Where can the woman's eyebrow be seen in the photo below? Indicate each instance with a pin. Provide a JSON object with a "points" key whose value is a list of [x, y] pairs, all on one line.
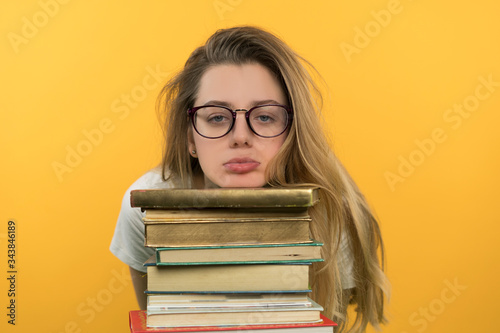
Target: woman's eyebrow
{"points": [[252, 104], [265, 101], [217, 102]]}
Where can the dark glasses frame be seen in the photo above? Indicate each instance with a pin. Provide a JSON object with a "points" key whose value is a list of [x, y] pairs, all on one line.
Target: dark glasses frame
{"points": [[191, 112]]}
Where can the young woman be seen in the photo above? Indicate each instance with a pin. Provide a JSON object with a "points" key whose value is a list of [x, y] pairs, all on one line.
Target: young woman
{"points": [[243, 113]]}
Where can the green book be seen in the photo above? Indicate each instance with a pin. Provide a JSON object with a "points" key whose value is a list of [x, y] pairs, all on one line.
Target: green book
{"points": [[240, 254]]}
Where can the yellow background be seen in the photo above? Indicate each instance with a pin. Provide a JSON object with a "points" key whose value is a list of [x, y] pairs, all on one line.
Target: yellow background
{"points": [[66, 67]]}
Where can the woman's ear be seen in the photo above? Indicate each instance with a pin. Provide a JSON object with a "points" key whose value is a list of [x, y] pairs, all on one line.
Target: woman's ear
{"points": [[191, 144]]}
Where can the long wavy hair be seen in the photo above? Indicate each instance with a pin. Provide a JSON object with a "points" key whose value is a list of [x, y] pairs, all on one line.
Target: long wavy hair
{"points": [[305, 158]]}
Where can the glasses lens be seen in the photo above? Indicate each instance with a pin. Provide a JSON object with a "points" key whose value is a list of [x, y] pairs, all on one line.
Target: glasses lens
{"points": [[212, 121], [269, 120]]}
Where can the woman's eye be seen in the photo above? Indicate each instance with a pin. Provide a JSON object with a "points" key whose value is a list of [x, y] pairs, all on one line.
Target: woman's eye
{"points": [[217, 118], [264, 118]]}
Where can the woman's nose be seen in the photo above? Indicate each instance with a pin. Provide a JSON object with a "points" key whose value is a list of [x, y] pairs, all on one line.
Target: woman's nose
{"points": [[241, 134]]}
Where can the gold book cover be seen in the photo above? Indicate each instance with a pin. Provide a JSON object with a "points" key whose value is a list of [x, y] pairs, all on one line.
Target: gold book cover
{"points": [[226, 214], [264, 197], [223, 233]]}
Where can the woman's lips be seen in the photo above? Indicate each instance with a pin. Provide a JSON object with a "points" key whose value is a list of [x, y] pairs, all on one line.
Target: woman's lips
{"points": [[241, 165]]}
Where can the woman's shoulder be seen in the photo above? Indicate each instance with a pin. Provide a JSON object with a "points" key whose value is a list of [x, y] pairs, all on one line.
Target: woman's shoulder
{"points": [[152, 179]]}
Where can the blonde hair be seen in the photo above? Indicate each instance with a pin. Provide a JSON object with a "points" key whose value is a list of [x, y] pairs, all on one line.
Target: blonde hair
{"points": [[305, 158]]}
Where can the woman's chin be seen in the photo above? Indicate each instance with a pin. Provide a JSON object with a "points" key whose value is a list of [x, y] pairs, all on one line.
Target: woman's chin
{"points": [[235, 181]]}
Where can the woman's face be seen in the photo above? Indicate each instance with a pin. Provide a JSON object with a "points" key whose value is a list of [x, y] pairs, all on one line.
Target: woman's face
{"points": [[240, 158]]}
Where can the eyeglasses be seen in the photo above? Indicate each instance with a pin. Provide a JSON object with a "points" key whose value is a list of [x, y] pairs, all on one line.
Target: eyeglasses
{"points": [[215, 121]]}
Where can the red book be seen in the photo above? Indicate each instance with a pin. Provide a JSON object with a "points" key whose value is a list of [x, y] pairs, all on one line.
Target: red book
{"points": [[137, 321]]}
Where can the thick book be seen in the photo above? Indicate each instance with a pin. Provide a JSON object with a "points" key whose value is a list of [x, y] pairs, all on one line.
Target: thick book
{"points": [[234, 254], [255, 278], [160, 233], [265, 197], [206, 316], [192, 217], [137, 321]]}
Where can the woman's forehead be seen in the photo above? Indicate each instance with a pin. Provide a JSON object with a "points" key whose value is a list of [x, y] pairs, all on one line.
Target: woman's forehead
{"points": [[233, 85]]}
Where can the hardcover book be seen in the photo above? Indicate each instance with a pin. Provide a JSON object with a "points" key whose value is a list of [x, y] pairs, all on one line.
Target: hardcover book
{"points": [[137, 320], [165, 302], [250, 254], [283, 277], [266, 197], [184, 233], [228, 214], [209, 316]]}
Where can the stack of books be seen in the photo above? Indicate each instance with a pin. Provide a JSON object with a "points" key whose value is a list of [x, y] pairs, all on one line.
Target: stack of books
{"points": [[229, 258]]}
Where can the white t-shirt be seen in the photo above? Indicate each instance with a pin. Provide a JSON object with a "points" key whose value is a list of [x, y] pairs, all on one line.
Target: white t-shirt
{"points": [[128, 240]]}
